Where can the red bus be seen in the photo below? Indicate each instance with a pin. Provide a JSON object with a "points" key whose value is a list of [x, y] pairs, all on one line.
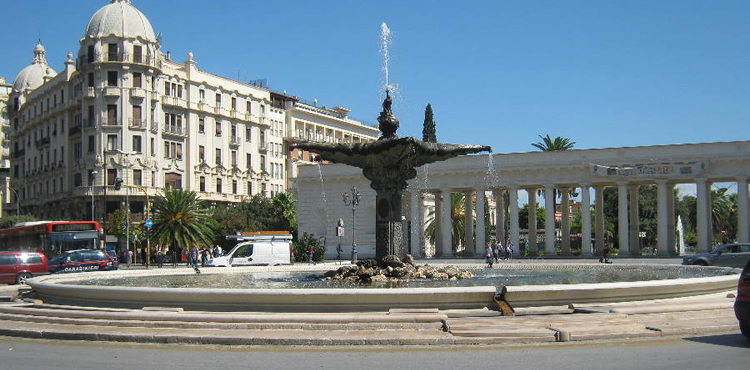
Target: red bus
{"points": [[50, 237]]}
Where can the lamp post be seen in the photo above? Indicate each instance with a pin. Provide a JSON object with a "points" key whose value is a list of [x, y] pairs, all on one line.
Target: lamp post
{"points": [[93, 180], [352, 200], [126, 164]]}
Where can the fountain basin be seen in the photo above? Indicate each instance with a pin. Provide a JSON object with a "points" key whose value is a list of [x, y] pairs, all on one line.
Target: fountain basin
{"points": [[64, 290]]}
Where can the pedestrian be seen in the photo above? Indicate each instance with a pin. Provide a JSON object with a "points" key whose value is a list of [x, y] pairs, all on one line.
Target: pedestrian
{"points": [[310, 254], [604, 258], [217, 251], [193, 256], [204, 257], [509, 247], [498, 248], [128, 258], [489, 255]]}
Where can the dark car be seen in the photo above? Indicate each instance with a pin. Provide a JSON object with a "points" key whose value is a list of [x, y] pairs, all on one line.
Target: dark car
{"points": [[742, 304], [730, 255], [82, 260], [16, 267]]}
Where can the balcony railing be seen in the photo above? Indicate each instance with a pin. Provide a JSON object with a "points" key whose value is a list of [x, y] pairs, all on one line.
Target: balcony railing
{"points": [[137, 123], [174, 130]]}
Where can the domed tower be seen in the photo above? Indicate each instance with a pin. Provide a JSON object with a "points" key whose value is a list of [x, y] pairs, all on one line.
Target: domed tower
{"points": [[118, 66], [35, 74]]}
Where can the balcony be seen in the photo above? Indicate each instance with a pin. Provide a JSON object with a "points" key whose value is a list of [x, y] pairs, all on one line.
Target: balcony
{"points": [[89, 122], [138, 93], [174, 130], [154, 127], [234, 140], [112, 122], [263, 146], [137, 124], [112, 91], [89, 92], [74, 130]]}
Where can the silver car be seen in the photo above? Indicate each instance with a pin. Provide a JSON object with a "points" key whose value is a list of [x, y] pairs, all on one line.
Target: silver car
{"points": [[730, 255]]}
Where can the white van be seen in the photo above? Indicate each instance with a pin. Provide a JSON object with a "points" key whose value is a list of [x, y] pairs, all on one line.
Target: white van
{"points": [[257, 248]]}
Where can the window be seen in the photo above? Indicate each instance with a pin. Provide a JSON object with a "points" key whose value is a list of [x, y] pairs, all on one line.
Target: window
{"points": [[90, 56], [218, 128], [137, 79], [218, 185], [202, 95], [77, 180], [137, 54], [218, 157], [218, 99], [249, 161], [111, 175], [77, 150], [234, 103], [112, 142], [248, 131], [153, 147], [262, 163], [201, 125], [234, 186], [92, 144], [91, 80], [112, 53], [112, 77], [202, 183], [137, 177], [167, 88], [137, 116], [248, 105], [137, 143], [201, 153], [112, 114], [249, 188], [173, 180], [166, 149], [233, 155]]}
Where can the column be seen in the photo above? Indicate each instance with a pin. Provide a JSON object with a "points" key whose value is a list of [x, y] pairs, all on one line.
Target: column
{"points": [[549, 220], [480, 234], [469, 223], [586, 221], [416, 224], [622, 218], [599, 216], [635, 249], [671, 223], [565, 222], [662, 217], [743, 227], [500, 215], [438, 220], [702, 214], [515, 233], [445, 224], [532, 239]]}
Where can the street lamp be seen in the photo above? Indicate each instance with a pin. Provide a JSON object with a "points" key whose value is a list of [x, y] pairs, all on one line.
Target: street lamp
{"points": [[352, 200], [93, 180], [127, 200], [18, 202]]}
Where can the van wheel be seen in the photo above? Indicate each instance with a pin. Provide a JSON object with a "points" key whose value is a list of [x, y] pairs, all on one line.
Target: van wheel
{"points": [[21, 278]]}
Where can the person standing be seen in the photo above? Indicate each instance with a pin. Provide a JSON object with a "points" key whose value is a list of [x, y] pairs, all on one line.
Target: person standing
{"points": [[128, 258], [489, 255], [497, 249], [310, 254], [193, 256], [509, 249]]}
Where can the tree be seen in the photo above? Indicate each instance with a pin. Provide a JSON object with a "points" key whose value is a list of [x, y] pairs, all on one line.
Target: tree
{"points": [[181, 220], [9, 221], [428, 128], [284, 207], [256, 214], [550, 145]]}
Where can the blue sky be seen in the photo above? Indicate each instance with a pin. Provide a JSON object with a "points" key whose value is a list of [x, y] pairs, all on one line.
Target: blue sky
{"points": [[602, 73]]}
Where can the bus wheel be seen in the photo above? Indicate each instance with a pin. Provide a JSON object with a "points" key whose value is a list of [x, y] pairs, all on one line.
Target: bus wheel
{"points": [[21, 278]]}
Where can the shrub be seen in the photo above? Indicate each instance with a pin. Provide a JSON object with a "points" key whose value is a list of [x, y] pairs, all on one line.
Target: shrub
{"points": [[300, 248]]}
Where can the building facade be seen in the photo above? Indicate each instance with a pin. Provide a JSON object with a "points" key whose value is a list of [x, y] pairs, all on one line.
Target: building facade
{"points": [[121, 108]]}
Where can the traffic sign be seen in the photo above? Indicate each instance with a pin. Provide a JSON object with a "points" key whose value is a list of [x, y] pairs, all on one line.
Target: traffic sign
{"points": [[149, 223]]}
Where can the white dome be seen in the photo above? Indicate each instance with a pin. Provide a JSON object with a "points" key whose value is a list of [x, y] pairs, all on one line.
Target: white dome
{"points": [[120, 19], [33, 76]]}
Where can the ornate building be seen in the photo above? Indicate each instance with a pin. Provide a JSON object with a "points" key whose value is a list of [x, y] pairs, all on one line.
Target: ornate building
{"points": [[121, 108]]}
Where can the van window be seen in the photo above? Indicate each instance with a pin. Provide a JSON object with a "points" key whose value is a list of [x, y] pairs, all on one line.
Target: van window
{"points": [[244, 251], [7, 259], [30, 259]]}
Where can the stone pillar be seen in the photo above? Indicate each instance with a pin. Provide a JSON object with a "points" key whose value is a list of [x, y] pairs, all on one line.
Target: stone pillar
{"points": [[469, 223], [599, 216], [500, 215], [743, 225], [514, 229], [662, 217], [586, 250], [533, 248], [417, 229], [565, 222], [438, 202], [703, 212], [480, 229], [622, 218], [445, 224], [635, 249], [549, 220], [671, 222]]}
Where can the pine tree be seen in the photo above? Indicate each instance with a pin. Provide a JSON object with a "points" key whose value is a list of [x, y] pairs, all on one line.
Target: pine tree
{"points": [[428, 131]]}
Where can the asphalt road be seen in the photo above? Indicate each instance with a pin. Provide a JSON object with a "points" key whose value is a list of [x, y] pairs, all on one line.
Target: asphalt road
{"points": [[725, 352]]}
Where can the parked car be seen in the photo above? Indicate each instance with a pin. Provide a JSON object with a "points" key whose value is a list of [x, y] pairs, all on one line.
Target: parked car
{"points": [[730, 255], [742, 304], [259, 248], [82, 260], [16, 267]]}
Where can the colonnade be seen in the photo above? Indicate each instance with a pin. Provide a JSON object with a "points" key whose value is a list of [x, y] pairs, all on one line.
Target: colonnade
{"points": [[628, 217]]}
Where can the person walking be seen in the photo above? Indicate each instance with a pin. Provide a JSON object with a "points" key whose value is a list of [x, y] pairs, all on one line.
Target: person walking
{"points": [[128, 258], [498, 248], [193, 256]]}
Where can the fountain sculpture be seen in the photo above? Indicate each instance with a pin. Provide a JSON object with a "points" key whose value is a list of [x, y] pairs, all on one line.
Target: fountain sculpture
{"points": [[389, 163]]}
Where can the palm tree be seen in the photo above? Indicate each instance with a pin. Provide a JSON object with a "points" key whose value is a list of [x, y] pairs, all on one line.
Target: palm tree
{"points": [[458, 221], [285, 209], [551, 145], [180, 220]]}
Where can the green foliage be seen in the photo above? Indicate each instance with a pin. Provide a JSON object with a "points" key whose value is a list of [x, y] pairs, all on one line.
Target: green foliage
{"points": [[180, 220], [301, 245], [549, 145], [9, 221], [429, 133], [116, 223], [256, 214], [523, 217]]}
